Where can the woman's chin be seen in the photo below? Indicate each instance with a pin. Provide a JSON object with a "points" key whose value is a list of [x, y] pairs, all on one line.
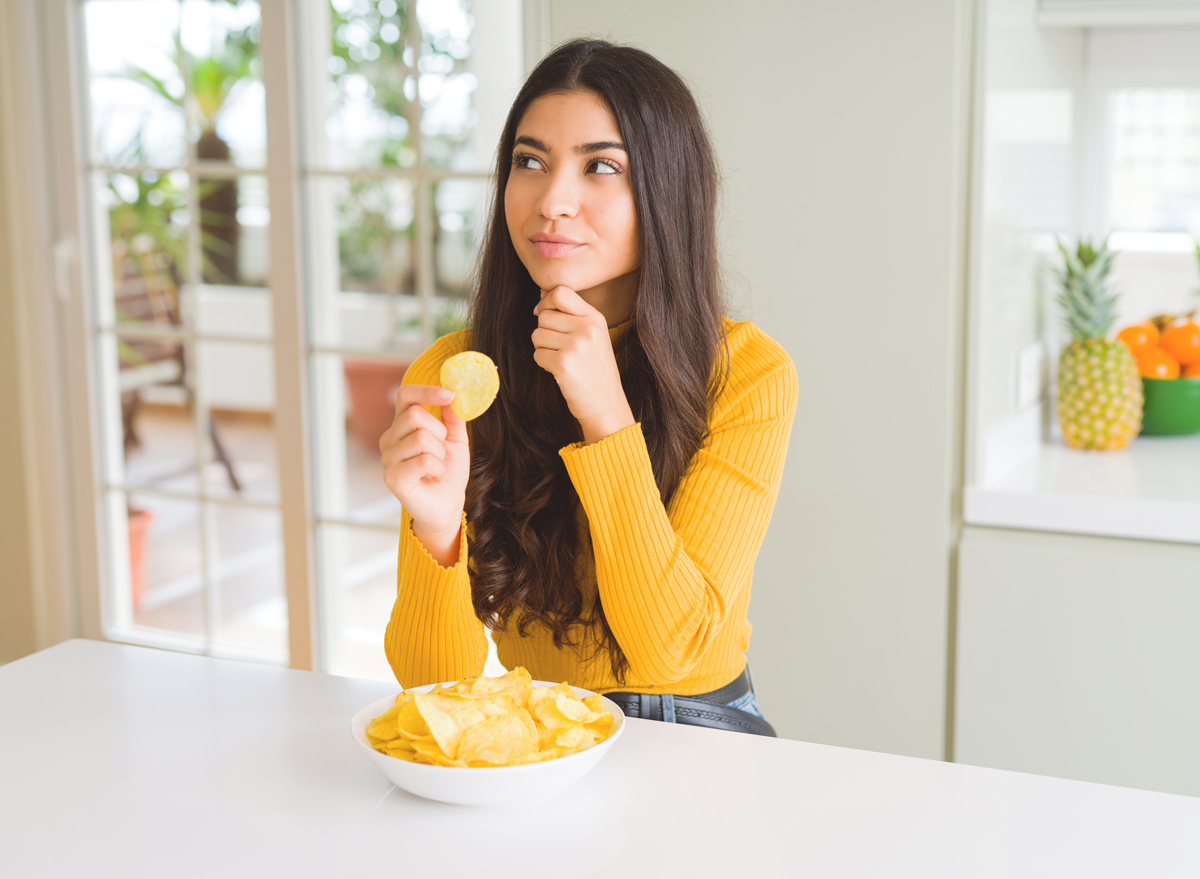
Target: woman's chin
{"points": [[548, 280]]}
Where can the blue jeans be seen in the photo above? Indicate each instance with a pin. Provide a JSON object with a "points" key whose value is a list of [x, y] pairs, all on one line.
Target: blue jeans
{"points": [[748, 701]]}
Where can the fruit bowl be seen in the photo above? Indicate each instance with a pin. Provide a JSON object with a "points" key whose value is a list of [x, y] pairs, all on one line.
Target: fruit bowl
{"points": [[484, 786], [1172, 406]]}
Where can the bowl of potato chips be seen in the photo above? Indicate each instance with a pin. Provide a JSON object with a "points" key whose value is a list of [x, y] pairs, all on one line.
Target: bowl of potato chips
{"points": [[488, 741]]}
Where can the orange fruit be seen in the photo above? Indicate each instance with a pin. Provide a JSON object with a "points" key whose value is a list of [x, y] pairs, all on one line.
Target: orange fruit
{"points": [[1157, 363], [1192, 370], [1139, 337], [1183, 342]]}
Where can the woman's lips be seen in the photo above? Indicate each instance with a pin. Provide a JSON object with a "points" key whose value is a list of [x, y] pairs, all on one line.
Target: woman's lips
{"points": [[554, 245]]}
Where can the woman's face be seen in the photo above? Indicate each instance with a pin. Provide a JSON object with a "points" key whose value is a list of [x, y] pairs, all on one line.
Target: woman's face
{"points": [[568, 201]]}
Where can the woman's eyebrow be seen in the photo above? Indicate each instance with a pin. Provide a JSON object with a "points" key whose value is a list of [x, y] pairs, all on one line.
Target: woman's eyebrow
{"points": [[533, 142], [598, 146]]}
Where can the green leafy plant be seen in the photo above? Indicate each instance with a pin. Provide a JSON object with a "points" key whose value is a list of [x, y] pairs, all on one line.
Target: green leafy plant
{"points": [[213, 78]]}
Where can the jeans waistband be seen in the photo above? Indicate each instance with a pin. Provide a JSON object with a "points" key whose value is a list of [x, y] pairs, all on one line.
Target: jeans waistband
{"points": [[703, 709]]}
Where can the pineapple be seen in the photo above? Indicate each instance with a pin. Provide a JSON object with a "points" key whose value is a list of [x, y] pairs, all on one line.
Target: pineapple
{"points": [[1099, 389]]}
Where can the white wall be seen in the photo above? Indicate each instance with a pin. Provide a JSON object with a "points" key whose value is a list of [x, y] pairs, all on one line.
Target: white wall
{"points": [[839, 126]]}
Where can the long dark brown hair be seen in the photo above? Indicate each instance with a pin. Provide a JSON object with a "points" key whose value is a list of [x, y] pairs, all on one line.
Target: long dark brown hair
{"points": [[520, 499]]}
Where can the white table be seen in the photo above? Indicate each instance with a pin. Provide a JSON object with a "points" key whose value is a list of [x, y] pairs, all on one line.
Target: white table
{"points": [[128, 762]]}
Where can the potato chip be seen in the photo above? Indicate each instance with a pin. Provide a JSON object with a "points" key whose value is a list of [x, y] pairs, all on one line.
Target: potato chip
{"points": [[409, 722], [501, 740], [575, 738], [573, 708], [474, 379], [480, 722], [401, 748], [516, 684], [383, 729], [427, 750], [448, 718]]}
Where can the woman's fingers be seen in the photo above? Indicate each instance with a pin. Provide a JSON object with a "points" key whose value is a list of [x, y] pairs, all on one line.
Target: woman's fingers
{"points": [[422, 466], [421, 395], [551, 339], [561, 322], [412, 416], [549, 360], [454, 429], [563, 299], [402, 477], [419, 442]]}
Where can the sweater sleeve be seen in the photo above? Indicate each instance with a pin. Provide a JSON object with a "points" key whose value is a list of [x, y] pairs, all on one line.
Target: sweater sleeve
{"points": [[433, 634], [667, 577]]}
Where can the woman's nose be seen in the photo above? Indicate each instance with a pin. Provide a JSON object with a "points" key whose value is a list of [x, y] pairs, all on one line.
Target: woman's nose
{"points": [[560, 198]]}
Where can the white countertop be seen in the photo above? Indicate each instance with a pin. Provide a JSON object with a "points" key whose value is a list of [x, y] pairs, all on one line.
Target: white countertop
{"points": [[1148, 491], [129, 762]]}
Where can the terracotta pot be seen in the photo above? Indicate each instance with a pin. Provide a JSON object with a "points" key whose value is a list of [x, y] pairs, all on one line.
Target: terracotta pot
{"points": [[371, 386], [139, 522]]}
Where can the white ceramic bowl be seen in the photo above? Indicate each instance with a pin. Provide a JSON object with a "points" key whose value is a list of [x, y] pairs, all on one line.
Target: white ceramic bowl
{"points": [[484, 786]]}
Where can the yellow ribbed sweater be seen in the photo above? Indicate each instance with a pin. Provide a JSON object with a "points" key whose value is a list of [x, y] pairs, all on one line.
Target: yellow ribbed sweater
{"points": [[674, 582]]}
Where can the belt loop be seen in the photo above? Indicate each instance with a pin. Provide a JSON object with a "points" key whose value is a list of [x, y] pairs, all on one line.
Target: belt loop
{"points": [[668, 707], [644, 706]]}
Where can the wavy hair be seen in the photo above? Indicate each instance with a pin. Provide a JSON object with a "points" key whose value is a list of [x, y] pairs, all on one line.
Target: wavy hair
{"points": [[520, 500]]}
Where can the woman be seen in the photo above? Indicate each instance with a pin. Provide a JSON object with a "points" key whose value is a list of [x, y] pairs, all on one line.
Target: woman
{"points": [[604, 516]]}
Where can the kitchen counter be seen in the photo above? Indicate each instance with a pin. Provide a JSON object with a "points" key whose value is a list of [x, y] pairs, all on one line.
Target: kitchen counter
{"points": [[132, 762], [1148, 491]]}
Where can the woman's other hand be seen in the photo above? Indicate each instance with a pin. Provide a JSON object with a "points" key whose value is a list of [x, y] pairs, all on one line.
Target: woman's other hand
{"points": [[426, 463], [572, 344]]}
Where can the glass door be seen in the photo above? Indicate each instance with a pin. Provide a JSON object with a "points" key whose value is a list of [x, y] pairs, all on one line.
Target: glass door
{"points": [[183, 327], [256, 300]]}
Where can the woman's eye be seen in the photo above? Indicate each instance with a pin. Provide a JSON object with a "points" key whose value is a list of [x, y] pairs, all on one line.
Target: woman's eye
{"points": [[601, 167], [526, 163]]}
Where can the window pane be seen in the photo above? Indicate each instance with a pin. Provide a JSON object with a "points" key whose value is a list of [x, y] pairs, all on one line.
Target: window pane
{"points": [[447, 87], [165, 564], [136, 86], [362, 239], [355, 402], [1155, 171], [460, 208], [146, 56], [220, 42], [249, 579], [375, 235], [147, 218], [234, 231], [471, 69], [158, 431], [238, 384], [364, 95], [358, 568]]}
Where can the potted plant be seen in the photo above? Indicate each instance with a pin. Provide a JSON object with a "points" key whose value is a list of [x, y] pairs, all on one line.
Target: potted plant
{"points": [[139, 524]]}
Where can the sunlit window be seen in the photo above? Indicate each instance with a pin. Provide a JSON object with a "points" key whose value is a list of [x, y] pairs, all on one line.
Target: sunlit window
{"points": [[1155, 160]]}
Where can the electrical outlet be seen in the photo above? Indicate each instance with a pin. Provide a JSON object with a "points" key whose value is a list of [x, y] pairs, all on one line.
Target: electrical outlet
{"points": [[1029, 375]]}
